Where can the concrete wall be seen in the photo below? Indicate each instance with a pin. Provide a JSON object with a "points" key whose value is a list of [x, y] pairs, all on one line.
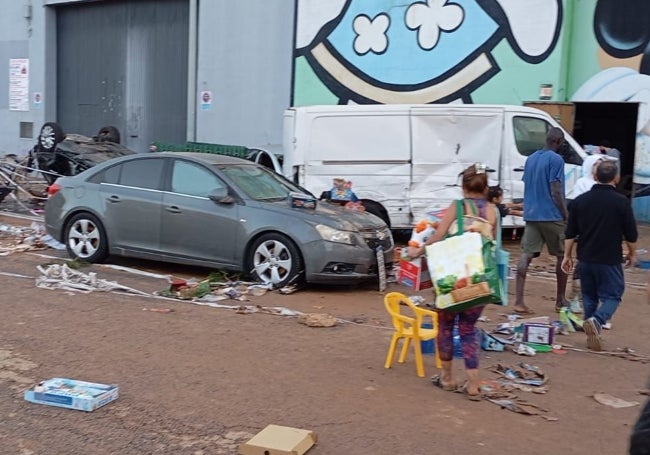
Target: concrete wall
{"points": [[241, 53], [245, 62], [24, 35]]}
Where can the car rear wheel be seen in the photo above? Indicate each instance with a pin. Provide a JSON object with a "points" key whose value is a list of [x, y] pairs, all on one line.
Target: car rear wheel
{"points": [[275, 259], [51, 134], [108, 134], [85, 238]]}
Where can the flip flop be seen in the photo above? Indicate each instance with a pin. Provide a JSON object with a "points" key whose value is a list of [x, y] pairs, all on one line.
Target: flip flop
{"points": [[523, 311], [437, 381], [470, 396]]}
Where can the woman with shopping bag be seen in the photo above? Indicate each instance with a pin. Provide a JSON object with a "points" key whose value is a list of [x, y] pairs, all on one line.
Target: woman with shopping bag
{"points": [[480, 216]]}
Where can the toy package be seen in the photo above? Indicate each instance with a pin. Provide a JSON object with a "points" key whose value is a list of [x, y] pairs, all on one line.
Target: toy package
{"points": [[342, 192], [425, 228]]}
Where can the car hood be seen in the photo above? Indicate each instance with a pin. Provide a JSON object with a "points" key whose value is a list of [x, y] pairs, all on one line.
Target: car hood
{"points": [[331, 215]]}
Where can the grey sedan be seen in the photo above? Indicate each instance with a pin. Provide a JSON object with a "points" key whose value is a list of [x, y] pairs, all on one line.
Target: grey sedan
{"points": [[213, 211]]}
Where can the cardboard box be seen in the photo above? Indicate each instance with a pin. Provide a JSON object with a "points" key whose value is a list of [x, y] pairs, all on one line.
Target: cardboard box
{"points": [[72, 394], [279, 440], [414, 274], [538, 333]]}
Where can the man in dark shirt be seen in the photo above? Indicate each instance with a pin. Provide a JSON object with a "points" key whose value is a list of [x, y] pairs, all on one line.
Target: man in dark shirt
{"points": [[600, 219]]}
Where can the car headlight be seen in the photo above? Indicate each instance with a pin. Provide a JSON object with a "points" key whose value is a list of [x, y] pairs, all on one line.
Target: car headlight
{"points": [[334, 235]]}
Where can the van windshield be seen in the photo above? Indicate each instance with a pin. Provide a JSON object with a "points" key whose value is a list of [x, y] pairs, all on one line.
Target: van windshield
{"points": [[530, 136]]}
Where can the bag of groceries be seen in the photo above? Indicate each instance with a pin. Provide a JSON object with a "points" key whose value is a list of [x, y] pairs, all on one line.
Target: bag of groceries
{"points": [[463, 266]]}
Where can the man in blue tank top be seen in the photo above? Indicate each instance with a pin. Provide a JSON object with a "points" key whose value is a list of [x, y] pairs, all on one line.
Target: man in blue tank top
{"points": [[545, 214]]}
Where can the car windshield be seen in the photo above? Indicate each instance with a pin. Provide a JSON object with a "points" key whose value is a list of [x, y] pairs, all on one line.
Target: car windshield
{"points": [[260, 183]]}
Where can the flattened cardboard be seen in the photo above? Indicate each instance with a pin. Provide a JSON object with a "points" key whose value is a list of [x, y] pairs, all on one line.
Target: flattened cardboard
{"points": [[490, 343], [279, 440]]}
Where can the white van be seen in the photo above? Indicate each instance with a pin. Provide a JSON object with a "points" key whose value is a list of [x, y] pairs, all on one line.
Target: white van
{"points": [[405, 160]]}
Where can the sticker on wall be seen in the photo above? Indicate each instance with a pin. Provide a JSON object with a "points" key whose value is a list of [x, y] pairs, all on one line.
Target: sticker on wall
{"points": [[37, 100], [206, 100]]}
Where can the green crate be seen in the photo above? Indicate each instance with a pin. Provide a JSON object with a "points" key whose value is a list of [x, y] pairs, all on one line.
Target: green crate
{"points": [[238, 151]]}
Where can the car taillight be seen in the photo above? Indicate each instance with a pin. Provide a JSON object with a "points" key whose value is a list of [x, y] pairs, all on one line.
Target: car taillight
{"points": [[53, 189]]}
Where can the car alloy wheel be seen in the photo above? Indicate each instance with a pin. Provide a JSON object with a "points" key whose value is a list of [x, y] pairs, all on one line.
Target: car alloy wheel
{"points": [[275, 259], [50, 135], [85, 238]]}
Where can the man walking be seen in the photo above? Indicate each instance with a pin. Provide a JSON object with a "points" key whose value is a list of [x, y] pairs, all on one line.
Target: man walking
{"points": [[545, 214], [600, 219]]}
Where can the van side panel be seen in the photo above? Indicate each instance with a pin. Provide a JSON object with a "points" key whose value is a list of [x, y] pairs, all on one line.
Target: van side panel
{"points": [[371, 150], [444, 144]]}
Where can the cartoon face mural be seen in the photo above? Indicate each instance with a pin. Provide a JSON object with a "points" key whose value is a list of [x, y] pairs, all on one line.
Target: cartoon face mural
{"points": [[623, 34], [401, 51]]}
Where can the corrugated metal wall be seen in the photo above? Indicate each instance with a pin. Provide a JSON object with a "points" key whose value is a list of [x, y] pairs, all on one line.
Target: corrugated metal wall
{"points": [[124, 64]]}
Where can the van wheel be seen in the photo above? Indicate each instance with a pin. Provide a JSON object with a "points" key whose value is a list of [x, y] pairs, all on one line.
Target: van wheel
{"points": [[377, 209]]}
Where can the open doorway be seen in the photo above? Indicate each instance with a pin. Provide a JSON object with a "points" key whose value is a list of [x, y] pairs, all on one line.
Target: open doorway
{"points": [[612, 122]]}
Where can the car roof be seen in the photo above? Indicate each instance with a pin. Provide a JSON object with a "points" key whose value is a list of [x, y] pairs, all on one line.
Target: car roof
{"points": [[208, 158]]}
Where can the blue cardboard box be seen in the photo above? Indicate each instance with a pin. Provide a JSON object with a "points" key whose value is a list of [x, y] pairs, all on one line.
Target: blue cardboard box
{"points": [[72, 394]]}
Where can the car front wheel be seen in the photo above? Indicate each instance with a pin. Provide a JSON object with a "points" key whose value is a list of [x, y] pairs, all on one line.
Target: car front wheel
{"points": [[85, 238], [275, 259]]}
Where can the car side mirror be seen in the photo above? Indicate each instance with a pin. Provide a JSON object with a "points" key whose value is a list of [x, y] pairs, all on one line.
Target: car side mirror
{"points": [[221, 196]]}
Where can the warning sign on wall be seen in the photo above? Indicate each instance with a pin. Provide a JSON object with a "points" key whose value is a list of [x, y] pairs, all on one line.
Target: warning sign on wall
{"points": [[19, 84]]}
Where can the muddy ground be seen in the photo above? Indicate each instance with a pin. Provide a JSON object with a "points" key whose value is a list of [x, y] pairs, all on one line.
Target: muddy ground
{"points": [[200, 380]]}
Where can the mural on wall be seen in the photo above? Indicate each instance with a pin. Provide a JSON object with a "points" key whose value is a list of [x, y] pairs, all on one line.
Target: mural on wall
{"points": [[623, 34], [401, 51]]}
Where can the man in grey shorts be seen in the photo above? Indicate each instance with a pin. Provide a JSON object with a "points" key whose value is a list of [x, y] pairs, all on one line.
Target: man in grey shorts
{"points": [[545, 214]]}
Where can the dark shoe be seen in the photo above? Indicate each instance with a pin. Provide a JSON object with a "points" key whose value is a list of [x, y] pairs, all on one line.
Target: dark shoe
{"points": [[592, 328]]}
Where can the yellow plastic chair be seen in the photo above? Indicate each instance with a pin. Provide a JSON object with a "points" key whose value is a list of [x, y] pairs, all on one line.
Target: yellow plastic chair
{"points": [[409, 328]]}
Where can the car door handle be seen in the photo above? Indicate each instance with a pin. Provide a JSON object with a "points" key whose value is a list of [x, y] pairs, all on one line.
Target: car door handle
{"points": [[173, 209], [518, 169], [113, 199]]}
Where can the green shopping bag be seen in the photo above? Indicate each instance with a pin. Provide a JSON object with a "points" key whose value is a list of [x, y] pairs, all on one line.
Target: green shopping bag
{"points": [[502, 258], [463, 268]]}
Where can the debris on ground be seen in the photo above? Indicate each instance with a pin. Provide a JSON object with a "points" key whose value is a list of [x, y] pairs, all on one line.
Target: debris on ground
{"points": [[57, 276], [72, 394], [521, 376], [17, 239], [317, 320], [622, 353], [614, 402]]}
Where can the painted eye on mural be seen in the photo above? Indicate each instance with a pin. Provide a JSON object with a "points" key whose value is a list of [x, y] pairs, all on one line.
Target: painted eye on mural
{"points": [[371, 34], [623, 33], [432, 18]]}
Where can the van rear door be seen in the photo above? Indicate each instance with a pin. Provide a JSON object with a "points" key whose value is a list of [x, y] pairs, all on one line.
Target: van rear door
{"points": [[445, 142]]}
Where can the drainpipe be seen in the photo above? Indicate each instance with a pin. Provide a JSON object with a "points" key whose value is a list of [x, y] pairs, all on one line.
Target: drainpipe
{"points": [[192, 60]]}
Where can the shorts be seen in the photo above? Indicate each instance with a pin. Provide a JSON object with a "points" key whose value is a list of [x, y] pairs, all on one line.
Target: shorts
{"points": [[538, 233]]}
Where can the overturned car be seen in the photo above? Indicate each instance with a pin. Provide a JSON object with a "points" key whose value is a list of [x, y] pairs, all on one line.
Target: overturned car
{"points": [[57, 154]]}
